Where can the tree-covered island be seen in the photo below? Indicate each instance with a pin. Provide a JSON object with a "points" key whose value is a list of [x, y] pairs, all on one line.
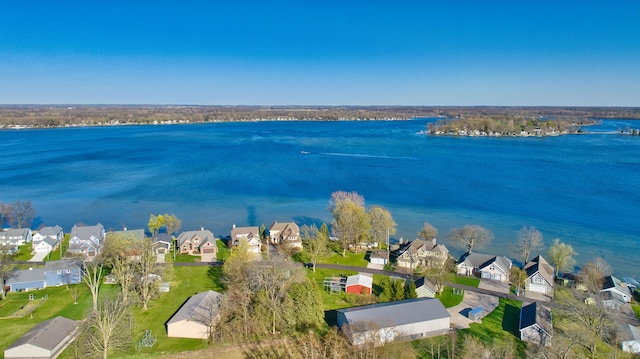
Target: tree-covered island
{"points": [[507, 126]]}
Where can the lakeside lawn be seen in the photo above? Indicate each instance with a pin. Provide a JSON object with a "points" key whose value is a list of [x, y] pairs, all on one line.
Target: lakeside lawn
{"points": [[351, 259], [55, 255], [223, 250], [470, 281]]}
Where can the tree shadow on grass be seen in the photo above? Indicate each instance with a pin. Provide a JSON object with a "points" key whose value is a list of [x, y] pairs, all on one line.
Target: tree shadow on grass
{"points": [[511, 320]]}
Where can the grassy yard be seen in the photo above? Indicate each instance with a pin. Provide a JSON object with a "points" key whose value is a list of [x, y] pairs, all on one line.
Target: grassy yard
{"points": [[223, 251], [24, 253], [636, 310], [470, 281], [186, 258], [500, 327], [351, 259], [449, 299], [55, 255], [330, 301]]}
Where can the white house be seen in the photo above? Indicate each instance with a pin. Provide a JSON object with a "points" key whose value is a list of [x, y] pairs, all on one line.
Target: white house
{"points": [[485, 266], [45, 340], [617, 288], [385, 322], [15, 236], [539, 276], [86, 240], [194, 318], [47, 232], [46, 245]]}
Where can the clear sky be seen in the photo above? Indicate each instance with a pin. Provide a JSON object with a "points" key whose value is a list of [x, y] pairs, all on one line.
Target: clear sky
{"points": [[556, 53]]}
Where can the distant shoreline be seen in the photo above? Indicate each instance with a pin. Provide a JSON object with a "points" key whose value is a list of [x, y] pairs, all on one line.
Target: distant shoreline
{"points": [[16, 117]]}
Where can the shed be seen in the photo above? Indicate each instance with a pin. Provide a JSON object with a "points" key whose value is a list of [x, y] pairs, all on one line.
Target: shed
{"points": [[384, 322], [359, 284], [194, 318], [379, 257], [45, 340], [475, 313], [535, 324], [425, 288]]}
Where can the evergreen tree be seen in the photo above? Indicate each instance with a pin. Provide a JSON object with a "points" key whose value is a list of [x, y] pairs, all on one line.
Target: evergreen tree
{"points": [[410, 290]]}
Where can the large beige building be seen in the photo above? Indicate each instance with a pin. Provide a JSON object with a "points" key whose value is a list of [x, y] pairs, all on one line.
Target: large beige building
{"points": [[196, 316], [46, 340]]}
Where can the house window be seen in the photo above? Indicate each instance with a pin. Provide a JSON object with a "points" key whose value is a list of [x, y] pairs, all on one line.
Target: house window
{"points": [[68, 271], [59, 272]]}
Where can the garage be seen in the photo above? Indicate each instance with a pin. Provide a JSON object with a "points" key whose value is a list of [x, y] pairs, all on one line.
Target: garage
{"points": [[209, 250]]}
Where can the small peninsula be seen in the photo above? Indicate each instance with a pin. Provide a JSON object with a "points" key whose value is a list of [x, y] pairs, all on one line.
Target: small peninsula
{"points": [[497, 126]]}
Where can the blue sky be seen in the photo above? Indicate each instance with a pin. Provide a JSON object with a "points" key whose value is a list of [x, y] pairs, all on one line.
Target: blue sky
{"points": [[555, 53]]}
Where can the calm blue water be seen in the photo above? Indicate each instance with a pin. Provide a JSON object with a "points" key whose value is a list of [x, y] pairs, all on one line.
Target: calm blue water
{"points": [[583, 189]]}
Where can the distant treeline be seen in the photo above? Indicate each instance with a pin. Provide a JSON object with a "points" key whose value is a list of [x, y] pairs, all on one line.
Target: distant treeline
{"points": [[96, 115], [507, 126]]}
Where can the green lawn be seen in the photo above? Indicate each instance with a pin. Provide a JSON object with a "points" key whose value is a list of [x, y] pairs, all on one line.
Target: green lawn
{"points": [[351, 259], [10, 305], [470, 281], [186, 258], [55, 255], [500, 327], [449, 299], [636, 309], [330, 301], [24, 253], [223, 251]]}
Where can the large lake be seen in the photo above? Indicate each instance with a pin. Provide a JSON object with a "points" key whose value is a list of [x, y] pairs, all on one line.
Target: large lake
{"points": [[583, 189]]}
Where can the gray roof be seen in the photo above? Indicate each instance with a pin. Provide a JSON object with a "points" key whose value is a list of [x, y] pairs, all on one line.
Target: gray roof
{"points": [[204, 236], [85, 232], [532, 314], [48, 334], [50, 231], [610, 282], [200, 307], [479, 260], [634, 332], [51, 241], [422, 281], [539, 264], [26, 275], [398, 313], [63, 264]]}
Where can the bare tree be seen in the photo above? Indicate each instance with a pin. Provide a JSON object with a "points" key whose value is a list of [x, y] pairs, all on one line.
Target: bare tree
{"points": [[6, 267], [440, 275], [172, 224], [593, 272], [593, 321], [382, 224], [22, 213], [236, 309], [315, 242], [146, 274], [470, 236], [92, 278], [561, 255], [529, 241], [274, 280], [106, 328], [428, 232], [339, 196], [518, 277]]}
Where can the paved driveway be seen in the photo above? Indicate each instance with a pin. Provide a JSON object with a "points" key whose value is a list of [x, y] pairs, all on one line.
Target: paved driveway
{"points": [[38, 257], [471, 300]]}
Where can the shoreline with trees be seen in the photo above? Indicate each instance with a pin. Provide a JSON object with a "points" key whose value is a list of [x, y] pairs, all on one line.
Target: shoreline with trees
{"points": [[54, 116]]}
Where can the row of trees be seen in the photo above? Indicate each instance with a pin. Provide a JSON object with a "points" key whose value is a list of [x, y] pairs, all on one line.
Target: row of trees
{"points": [[265, 297], [19, 214]]}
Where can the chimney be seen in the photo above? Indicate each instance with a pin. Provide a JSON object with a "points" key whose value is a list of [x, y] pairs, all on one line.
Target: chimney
{"points": [[201, 228], [234, 226]]}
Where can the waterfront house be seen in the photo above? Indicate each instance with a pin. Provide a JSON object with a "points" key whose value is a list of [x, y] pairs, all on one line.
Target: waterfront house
{"points": [[539, 276], [45, 340], [46, 245], [485, 266], [423, 254], [249, 234], [55, 234], [287, 233], [617, 288], [194, 242], [86, 240], [15, 236], [161, 243], [535, 324], [196, 316], [381, 323], [379, 256]]}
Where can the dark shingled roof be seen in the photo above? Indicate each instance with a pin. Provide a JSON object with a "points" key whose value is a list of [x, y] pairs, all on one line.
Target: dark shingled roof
{"points": [[531, 314], [399, 312], [48, 334]]}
